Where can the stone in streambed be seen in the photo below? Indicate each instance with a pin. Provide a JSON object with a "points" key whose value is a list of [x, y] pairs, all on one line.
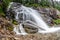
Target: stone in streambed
{"points": [[30, 29]]}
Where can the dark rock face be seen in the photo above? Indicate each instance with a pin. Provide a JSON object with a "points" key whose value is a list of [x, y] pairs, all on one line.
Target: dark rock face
{"points": [[11, 13]]}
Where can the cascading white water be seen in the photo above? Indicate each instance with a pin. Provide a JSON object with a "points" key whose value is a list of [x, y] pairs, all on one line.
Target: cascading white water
{"points": [[33, 16], [20, 30]]}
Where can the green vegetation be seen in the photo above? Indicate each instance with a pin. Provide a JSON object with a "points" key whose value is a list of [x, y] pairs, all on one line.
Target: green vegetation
{"points": [[1, 12], [30, 3], [1, 9], [6, 2], [57, 21], [57, 7], [10, 28], [15, 22], [45, 3]]}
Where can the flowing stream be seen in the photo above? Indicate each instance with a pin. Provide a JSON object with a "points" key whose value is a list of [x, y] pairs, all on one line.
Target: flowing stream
{"points": [[26, 14]]}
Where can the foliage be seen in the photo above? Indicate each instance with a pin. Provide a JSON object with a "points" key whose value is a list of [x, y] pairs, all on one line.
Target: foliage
{"points": [[1, 9], [57, 6], [44, 3], [6, 2], [31, 5], [10, 28], [57, 21], [1, 12], [4, 5], [14, 22]]}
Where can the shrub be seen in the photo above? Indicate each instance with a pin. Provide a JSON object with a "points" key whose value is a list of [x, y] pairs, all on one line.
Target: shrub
{"points": [[1, 12]]}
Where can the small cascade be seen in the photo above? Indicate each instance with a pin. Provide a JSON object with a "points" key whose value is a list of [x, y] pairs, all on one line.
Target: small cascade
{"points": [[24, 14], [20, 30]]}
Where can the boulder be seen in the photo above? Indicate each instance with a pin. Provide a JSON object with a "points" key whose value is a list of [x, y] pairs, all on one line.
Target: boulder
{"points": [[30, 29]]}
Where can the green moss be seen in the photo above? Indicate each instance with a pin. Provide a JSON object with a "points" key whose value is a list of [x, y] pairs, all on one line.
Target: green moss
{"points": [[1, 12], [57, 21], [32, 5], [10, 28], [1, 9], [15, 22]]}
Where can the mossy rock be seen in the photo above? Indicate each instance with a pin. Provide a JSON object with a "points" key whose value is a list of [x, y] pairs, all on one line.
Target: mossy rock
{"points": [[15, 22], [10, 28], [30, 29], [1, 12], [56, 21]]}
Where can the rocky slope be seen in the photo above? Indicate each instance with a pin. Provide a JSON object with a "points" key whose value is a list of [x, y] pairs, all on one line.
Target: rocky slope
{"points": [[54, 36]]}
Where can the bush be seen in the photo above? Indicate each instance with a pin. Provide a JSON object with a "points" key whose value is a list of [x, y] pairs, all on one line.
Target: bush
{"points": [[45, 3]]}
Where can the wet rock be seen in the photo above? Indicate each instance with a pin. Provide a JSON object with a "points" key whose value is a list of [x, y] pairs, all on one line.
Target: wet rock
{"points": [[30, 29], [10, 12]]}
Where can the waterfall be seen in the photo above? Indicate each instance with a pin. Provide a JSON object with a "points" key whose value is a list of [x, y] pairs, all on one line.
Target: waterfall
{"points": [[24, 14]]}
